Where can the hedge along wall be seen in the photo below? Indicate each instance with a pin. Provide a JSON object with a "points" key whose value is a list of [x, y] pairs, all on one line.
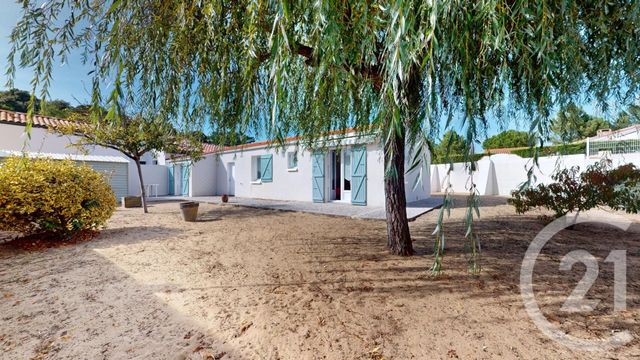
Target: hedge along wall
{"points": [[502, 173], [553, 150]]}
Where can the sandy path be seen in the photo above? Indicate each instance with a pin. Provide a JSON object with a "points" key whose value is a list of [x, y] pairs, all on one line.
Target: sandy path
{"points": [[259, 284]]}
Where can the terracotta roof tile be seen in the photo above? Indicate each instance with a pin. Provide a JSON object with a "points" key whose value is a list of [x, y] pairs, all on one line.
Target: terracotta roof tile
{"points": [[210, 148], [18, 118]]}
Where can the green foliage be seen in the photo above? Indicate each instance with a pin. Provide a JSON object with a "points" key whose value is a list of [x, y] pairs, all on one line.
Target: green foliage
{"points": [[507, 139], [290, 68], [572, 123], [18, 100], [573, 191], [562, 149], [51, 196], [629, 117], [457, 158], [452, 148], [133, 136], [221, 138]]}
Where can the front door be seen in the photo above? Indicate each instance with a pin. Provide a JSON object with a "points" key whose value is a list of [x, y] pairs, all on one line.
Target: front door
{"points": [[231, 179], [336, 178]]}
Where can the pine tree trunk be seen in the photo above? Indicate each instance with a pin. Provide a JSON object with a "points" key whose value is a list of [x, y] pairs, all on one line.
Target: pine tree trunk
{"points": [[398, 236], [143, 195]]}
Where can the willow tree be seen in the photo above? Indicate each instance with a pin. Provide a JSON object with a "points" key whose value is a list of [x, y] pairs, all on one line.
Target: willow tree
{"points": [[294, 67]]}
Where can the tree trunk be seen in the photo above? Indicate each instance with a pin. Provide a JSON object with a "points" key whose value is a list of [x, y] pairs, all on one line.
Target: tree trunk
{"points": [[398, 236], [143, 195]]}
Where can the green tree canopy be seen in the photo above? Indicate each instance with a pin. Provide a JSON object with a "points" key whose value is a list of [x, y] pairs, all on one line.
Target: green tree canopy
{"points": [[291, 67], [631, 116], [507, 139], [572, 123], [451, 148], [18, 100], [133, 136]]}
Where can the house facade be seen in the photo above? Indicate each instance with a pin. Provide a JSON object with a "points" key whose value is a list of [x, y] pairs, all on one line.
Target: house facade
{"points": [[348, 169], [121, 171]]}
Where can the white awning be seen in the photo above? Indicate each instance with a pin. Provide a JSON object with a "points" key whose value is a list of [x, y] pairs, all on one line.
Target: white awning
{"points": [[58, 156]]}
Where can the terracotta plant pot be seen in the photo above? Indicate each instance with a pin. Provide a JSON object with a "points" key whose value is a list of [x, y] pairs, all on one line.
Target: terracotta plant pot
{"points": [[189, 210], [225, 198]]}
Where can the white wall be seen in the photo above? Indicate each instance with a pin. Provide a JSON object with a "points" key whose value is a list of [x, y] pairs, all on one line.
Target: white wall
{"points": [[12, 137], [502, 173], [203, 176], [286, 185], [423, 187], [151, 174], [297, 185]]}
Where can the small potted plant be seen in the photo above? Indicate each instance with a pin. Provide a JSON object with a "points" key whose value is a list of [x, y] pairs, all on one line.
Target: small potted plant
{"points": [[189, 210], [225, 198]]}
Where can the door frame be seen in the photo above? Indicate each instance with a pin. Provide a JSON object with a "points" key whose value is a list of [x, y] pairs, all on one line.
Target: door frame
{"points": [[345, 195], [231, 178]]}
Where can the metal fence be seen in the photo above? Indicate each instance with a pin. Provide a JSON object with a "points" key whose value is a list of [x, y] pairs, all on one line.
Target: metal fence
{"points": [[609, 147]]}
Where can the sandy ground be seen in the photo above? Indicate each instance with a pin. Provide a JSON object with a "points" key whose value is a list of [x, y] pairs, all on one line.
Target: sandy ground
{"points": [[259, 284]]}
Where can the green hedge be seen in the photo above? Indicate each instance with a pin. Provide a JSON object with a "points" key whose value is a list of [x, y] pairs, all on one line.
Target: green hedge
{"points": [[455, 158], [566, 149]]}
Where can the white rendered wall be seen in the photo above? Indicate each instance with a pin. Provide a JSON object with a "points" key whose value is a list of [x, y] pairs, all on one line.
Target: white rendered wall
{"points": [[151, 174], [296, 185], [12, 137], [286, 185], [203, 176], [502, 173]]}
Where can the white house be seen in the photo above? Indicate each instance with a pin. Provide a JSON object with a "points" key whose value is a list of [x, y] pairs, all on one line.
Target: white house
{"points": [[349, 169], [629, 133], [44, 142], [608, 142]]}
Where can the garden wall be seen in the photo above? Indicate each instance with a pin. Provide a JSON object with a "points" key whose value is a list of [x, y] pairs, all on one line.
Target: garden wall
{"points": [[502, 173], [152, 174]]}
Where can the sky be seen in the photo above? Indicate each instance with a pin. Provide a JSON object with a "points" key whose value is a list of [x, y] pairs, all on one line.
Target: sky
{"points": [[70, 81]]}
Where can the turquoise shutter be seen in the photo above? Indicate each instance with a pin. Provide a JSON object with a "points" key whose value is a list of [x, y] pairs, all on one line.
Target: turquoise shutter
{"points": [[171, 186], [266, 168], [185, 179], [317, 176], [359, 176]]}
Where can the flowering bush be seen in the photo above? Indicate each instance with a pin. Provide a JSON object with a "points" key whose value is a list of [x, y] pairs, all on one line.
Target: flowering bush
{"points": [[52, 196], [573, 191]]}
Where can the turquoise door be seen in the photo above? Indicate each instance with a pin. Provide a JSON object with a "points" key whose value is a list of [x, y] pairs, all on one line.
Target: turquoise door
{"points": [[185, 179], [171, 183], [317, 176], [359, 176]]}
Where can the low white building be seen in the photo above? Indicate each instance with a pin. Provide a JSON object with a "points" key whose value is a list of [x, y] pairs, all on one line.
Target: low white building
{"points": [[45, 142], [350, 169], [629, 133]]}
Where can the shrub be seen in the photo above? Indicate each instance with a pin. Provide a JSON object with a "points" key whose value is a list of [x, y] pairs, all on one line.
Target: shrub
{"points": [[573, 191], [52, 196]]}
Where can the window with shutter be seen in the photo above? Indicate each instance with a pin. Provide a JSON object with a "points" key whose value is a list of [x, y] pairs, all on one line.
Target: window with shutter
{"points": [[266, 168]]}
